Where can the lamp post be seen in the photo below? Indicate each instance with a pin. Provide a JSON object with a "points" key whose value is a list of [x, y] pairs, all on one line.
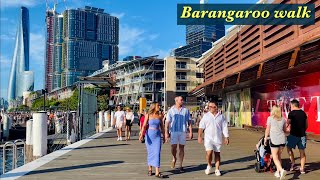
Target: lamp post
{"points": [[44, 91]]}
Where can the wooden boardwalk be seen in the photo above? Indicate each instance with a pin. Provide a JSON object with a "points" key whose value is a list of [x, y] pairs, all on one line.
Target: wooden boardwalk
{"points": [[105, 158]]}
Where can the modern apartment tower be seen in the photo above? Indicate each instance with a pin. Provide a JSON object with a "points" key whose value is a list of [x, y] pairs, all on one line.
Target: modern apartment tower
{"points": [[199, 39], [78, 41], [21, 79]]}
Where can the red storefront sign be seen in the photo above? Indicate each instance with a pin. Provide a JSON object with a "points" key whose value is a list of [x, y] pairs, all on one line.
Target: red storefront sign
{"points": [[306, 89]]}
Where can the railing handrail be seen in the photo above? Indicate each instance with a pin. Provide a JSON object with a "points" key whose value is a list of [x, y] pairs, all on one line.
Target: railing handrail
{"points": [[4, 155]]}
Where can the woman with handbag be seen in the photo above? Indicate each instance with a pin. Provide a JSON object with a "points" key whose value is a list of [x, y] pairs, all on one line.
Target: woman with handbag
{"points": [[153, 126]]}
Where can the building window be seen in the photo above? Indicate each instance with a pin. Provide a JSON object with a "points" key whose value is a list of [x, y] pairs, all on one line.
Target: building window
{"points": [[181, 65], [181, 86], [199, 75]]}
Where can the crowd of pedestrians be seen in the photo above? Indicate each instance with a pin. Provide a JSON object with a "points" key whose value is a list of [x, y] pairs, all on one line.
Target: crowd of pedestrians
{"points": [[175, 127]]}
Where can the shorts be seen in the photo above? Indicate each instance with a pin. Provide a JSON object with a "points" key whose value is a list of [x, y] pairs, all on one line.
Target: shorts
{"points": [[119, 124], [276, 145], [178, 138], [293, 141], [212, 146], [128, 123]]}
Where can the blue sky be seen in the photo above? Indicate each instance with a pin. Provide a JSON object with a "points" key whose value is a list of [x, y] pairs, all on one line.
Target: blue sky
{"points": [[147, 27]]}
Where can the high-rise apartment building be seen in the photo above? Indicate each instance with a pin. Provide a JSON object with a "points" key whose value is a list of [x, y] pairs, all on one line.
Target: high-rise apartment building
{"points": [[21, 79], [78, 41]]}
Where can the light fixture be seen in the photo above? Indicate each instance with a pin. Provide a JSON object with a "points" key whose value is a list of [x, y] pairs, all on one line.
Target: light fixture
{"points": [[302, 71], [269, 79]]}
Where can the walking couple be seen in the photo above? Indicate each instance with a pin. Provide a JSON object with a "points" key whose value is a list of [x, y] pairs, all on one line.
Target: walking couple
{"points": [[178, 122], [276, 128]]}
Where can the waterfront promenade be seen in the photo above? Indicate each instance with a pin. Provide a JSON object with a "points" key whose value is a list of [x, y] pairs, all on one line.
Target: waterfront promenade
{"points": [[102, 157]]}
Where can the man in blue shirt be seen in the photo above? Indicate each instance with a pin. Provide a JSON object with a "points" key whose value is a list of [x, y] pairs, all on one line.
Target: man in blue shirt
{"points": [[177, 121]]}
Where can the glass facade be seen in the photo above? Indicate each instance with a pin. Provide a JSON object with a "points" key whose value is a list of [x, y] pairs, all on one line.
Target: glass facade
{"points": [[21, 79], [84, 38], [199, 39]]}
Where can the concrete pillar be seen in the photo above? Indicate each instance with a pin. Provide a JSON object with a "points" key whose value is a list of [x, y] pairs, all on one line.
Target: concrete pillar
{"points": [[7, 124], [39, 133], [101, 121], [112, 117], [29, 141]]}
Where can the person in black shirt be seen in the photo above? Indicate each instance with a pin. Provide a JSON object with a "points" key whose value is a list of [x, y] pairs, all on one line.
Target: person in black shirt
{"points": [[297, 118]]}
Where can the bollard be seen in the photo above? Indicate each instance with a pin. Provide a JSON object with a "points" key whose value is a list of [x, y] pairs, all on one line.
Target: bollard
{"points": [[112, 117], [29, 141], [107, 118], [7, 124], [101, 124], [39, 134]]}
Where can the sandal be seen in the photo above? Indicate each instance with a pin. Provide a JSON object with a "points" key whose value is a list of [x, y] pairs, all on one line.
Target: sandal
{"points": [[149, 173], [160, 175]]}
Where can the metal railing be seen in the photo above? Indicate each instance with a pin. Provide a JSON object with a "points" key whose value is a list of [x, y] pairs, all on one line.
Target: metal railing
{"points": [[182, 77], [17, 159]]}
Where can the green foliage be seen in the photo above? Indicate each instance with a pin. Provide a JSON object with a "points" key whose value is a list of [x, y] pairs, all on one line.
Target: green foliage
{"points": [[72, 102], [103, 101]]}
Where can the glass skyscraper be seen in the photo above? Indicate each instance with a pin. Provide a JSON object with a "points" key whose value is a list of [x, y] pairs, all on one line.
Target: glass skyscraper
{"points": [[21, 79], [199, 39], [82, 39]]}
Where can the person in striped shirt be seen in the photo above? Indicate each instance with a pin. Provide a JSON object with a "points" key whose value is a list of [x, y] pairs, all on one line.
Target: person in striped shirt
{"points": [[177, 121]]}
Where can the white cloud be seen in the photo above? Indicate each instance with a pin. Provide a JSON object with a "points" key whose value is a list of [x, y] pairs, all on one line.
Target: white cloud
{"points": [[129, 38], [37, 48], [136, 41], [19, 3], [153, 36], [118, 15], [4, 61], [7, 37]]}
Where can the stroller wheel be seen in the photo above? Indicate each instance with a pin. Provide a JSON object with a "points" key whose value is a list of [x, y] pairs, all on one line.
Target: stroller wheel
{"points": [[257, 167]]}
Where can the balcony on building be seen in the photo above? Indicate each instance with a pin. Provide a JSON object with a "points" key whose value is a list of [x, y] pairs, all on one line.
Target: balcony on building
{"points": [[182, 78], [182, 89]]}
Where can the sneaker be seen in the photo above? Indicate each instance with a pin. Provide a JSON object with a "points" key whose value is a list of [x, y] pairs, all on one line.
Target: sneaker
{"points": [[283, 174], [120, 139], [302, 171], [217, 172], [208, 170], [277, 174]]}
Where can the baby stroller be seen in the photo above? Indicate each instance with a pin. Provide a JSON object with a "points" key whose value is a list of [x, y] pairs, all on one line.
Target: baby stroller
{"points": [[263, 156]]}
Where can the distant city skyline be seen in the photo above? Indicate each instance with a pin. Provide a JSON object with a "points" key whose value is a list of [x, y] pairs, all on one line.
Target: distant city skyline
{"points": [[143, 30]]}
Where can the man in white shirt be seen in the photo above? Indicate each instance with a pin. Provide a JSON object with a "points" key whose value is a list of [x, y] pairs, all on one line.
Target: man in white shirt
{"points": [[119, 117], [214, 125]]}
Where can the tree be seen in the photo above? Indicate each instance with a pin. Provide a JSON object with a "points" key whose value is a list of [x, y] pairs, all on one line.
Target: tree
{"points": [[103, 101]]}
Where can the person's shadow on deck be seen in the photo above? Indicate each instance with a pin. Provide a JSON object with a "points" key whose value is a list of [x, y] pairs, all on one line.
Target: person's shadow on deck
{"points": [[68, 168], [309, 167], [202, 167]]}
